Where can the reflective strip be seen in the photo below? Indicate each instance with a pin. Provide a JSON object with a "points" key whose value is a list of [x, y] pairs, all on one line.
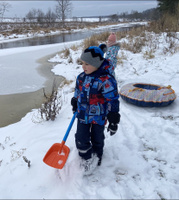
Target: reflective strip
{"points": [[84, 151]]}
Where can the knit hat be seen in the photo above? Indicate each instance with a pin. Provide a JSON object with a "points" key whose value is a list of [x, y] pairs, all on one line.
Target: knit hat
{"points": [[94, 55], [111, 40]]}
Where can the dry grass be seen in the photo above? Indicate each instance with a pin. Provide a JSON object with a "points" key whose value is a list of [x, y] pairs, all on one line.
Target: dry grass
{"points": [[149, 54], [52, 105], [74, 47], [91, 41], [66, 82], [95, 40], [134, 44], [120, 58], [167, 23], [173, 45], [102, 37], [65, 53], [144, 37]]}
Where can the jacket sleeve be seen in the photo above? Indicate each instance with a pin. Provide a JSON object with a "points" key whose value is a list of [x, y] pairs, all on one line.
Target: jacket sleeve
{"points": [[111, 95], [111, 55], [76, 93]]}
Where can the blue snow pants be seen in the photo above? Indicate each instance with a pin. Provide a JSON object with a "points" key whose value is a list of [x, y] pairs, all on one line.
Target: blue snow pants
{"points": [[89, 139]]}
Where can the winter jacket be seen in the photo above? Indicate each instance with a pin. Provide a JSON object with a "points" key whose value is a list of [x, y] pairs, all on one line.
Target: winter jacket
{"points": [[111, 56], [97, 93]]}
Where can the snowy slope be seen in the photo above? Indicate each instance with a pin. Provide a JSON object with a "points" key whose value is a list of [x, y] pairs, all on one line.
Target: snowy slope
{"points": [[140, 161]]}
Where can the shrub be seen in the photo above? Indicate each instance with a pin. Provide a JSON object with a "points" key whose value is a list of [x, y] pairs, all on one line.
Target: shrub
{"points": [[134, 45], [52, 105]]}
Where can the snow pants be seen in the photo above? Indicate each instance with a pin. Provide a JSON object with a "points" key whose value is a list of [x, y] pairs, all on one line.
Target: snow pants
{"points": [[89, 139]]}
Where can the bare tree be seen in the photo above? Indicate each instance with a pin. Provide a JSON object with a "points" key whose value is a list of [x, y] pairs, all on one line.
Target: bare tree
{"points": [[114, 18], [4, 6], [62, 9], [50, 16], [40, 16], [32, 15]]}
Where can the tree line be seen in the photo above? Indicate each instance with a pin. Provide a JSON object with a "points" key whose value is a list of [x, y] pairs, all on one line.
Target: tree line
{"points": [[60, 12], [168, 6], [64, 7]]}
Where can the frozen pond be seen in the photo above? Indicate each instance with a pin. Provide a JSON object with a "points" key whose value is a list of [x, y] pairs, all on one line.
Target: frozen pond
{"points": [[18, 68]]}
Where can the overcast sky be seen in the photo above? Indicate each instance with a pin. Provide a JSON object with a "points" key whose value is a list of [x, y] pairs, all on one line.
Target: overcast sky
{"points": [[81, 8]]}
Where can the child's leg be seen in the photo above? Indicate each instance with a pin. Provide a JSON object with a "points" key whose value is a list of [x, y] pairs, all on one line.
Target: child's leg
{"points": [[97, 139], [83, 140]]}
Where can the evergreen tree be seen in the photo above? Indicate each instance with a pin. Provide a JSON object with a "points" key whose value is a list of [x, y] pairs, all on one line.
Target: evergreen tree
{"points": [[168, 6]]}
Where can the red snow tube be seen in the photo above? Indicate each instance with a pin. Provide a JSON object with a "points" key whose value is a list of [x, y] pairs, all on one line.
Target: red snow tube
{"points": [[147, 95]]}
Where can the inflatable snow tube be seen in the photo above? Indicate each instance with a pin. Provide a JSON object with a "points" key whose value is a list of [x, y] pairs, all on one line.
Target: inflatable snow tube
{"points": [[147, 95]]}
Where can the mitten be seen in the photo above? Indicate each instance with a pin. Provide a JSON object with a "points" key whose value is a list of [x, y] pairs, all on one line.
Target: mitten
{"points": [[112, 128], [111, 40], [74, 104], [114, 119]]}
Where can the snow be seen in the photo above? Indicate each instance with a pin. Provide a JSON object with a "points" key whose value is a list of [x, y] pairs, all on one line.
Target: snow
{"points": [[141, 161], [14, 67]]}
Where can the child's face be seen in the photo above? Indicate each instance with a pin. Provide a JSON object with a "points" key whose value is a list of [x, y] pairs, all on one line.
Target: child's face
{"points": [[88, 69]]}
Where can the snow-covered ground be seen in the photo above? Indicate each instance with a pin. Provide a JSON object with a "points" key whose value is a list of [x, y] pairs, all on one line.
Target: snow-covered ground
{"points": [[141, 161]]}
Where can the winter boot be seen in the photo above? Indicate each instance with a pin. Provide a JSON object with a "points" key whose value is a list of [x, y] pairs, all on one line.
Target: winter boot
{"points": [[99, 161], [89, 165]]}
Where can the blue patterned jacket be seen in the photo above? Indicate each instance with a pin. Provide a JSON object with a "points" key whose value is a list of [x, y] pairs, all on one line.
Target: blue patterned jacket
{"points": [[97, 93]]}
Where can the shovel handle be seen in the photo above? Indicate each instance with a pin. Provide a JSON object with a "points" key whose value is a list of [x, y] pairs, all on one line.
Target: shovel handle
{"points": [[69, 127], [62, 144]]}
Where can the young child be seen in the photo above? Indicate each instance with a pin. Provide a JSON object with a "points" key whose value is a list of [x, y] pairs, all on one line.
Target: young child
{"points": [[96, 99]]}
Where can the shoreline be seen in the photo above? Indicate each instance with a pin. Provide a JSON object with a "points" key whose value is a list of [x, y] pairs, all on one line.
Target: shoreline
{"points": [[13, 107]]}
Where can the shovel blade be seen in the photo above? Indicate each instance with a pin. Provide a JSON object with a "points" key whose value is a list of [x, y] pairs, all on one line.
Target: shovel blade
{"points": [[57, 155]]}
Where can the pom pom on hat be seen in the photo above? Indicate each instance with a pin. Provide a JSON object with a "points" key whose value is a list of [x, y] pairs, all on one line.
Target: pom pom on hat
{"points": [[103, 47], [94, 55]]}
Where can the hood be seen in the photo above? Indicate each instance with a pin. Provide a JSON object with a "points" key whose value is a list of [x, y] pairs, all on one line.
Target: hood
{"points": [[105, 69]]}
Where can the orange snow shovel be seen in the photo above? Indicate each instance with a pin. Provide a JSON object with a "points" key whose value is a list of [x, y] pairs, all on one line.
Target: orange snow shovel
{"points": [[57, 155]]}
